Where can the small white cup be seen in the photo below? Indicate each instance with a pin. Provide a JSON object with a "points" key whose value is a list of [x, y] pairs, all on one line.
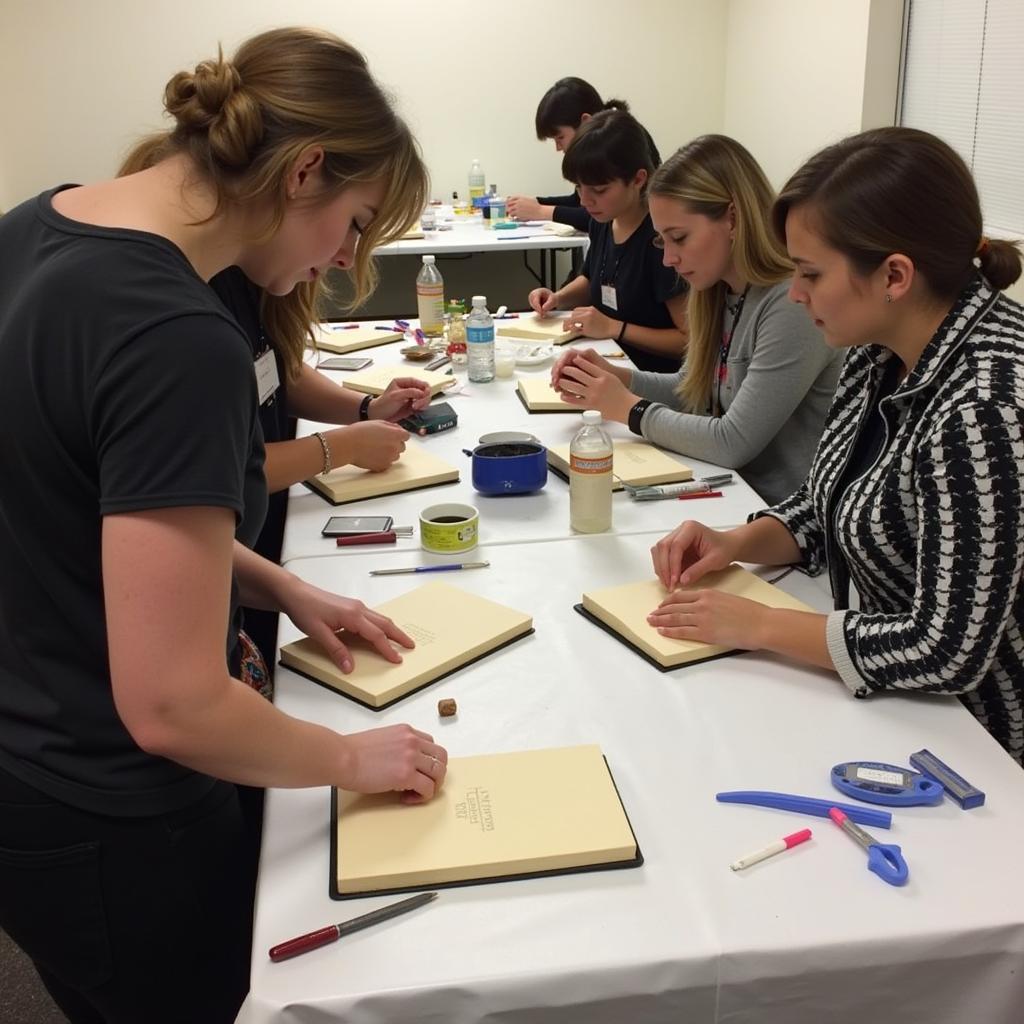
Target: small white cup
{"points": [[504, 363]]}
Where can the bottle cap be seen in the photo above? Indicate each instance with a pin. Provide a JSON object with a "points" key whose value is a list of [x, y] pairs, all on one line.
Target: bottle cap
{"points": [[479, 300], [428, 259], [592, 416]]}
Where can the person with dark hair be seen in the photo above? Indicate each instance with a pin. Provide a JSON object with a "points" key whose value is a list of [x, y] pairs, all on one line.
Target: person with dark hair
{"points": [[916, 492], [130, 502], [567, 105], [623, 292]]}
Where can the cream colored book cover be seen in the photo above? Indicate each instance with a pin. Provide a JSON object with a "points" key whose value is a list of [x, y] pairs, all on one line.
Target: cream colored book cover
{"points": [[530, 327], [451, 627], [353, 339], [635, 463], [376, 381], [624, 610], [416, 468], [537, 394], [497, 816]]}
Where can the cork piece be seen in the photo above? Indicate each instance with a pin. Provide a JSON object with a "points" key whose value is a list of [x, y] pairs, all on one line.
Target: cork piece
{"points": [[446, 707]]}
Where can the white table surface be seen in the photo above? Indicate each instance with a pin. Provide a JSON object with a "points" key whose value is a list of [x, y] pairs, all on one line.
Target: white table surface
{"points": [[468, 234], [805, 937], [504, 519]]}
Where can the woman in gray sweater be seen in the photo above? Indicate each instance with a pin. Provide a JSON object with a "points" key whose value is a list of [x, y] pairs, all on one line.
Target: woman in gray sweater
{"points": [[758, 378]]}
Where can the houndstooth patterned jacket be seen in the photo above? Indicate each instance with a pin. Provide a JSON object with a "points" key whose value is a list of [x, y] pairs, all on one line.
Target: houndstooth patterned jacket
{"points": [[933, 533]]}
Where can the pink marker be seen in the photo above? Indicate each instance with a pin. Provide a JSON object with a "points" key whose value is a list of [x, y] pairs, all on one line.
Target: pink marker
{"points": [[786, 843]]}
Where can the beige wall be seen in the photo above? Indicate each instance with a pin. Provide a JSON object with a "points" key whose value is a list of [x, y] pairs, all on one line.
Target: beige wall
{"points": [[801, 75], [80, 79]]}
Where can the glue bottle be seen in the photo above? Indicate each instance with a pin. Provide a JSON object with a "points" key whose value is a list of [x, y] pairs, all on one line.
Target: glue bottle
{"points": [[430, 299], [590, 477], [477, 182]]}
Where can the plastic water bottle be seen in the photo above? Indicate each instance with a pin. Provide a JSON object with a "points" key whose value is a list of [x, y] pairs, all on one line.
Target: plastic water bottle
{"points": [[590, 477], [477, 182], [480, 342], [430, 299]]}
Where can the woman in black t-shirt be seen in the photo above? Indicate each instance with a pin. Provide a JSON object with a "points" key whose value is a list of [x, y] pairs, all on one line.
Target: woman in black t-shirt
{"points": [[624, 291], [130, 499]]}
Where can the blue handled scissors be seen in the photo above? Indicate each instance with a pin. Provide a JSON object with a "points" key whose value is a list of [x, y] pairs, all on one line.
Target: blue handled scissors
{"points": [[885, 859]]}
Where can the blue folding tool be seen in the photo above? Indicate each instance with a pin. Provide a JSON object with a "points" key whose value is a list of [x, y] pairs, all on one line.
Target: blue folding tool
{"points": [[805, 805]]}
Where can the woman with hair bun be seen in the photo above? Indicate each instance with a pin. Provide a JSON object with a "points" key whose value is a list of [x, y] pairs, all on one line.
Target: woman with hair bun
{"points": [[562, 111], [128, 503], [916, 492]]}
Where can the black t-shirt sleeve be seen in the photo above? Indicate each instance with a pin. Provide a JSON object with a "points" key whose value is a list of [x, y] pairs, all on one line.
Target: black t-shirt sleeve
{"points": [[572, 199], [172, 417]]}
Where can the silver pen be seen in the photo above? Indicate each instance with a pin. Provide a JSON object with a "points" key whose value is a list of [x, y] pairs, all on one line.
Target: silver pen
{"points": [[701, 486]]}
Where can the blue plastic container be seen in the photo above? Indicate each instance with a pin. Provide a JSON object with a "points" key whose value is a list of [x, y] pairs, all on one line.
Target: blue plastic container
{"points": [[509, 467]]}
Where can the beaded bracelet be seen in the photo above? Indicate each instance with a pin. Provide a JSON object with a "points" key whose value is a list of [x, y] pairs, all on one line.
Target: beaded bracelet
{"points": [[327, 452]]}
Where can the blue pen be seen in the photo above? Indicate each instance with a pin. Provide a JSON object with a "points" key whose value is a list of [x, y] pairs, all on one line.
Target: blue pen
{"points": [[513, 238], [404, 324], [343, 327], [448, 567]]}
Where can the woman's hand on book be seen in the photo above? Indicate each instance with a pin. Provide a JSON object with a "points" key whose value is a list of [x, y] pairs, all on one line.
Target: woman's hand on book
{"points": [[592, 322], [543, 301], [320, 614], [397, 758], [587, 380], [689, 551], [402, 397], [710, 617], [372, 445]]}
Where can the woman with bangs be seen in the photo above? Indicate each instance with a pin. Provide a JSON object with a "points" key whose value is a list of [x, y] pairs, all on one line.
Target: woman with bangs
{"points": [[623, 292], [758, 377], [130, 504], [562, 110]]}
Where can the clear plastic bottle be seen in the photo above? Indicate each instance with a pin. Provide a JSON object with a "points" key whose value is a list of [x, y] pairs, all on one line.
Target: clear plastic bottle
{"points": [[590, 477], [480, 342], [477, 182], [430, 299]]}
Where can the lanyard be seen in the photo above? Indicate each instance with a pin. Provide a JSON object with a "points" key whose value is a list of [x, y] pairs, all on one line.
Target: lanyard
{"points": [[723, 352]]}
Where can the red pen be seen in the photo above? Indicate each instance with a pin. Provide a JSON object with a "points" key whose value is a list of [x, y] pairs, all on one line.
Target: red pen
{"points": [[387, 537], [699, 494]]}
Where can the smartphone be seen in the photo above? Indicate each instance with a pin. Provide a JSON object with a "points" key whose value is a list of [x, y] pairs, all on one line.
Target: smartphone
{"points": [[347, 526], [344, 363]]}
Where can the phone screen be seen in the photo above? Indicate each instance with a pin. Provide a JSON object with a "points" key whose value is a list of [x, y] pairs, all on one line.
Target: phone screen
{"points": [[344, 526]]}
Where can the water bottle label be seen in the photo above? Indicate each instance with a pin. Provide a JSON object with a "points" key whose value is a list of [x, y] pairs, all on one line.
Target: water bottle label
{"points": [[590, 466], [479, 334]]}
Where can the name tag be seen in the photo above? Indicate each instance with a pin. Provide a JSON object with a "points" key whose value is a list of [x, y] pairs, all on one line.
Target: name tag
{"points": [[267, 381], [608, 297]]}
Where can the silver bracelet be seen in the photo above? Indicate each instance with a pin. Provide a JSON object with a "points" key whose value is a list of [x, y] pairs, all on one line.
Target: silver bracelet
{"points": [[327, 452]]}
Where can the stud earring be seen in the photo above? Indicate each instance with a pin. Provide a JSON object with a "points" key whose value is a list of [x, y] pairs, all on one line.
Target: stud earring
{"points": [[888, 297]]}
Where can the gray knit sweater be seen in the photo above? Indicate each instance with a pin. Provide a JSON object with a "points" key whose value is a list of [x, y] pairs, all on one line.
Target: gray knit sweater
{"points": [[780, 379]]}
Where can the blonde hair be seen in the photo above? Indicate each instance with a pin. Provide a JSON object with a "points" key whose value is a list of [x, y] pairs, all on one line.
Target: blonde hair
{"points": [[244, 122], [708, 175]]}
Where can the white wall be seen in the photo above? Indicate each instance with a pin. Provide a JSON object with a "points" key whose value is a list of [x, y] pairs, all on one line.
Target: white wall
{"points": [[81, 79], [801, 75]]}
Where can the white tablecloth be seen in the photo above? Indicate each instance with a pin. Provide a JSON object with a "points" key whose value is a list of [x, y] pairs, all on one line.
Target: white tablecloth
{"points": [[808, 936], [541, 516]]}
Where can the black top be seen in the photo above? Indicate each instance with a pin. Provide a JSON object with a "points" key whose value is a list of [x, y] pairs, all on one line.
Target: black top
{"points": [[568, 209], [124, 385], [242, 299], [643, 284]]}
